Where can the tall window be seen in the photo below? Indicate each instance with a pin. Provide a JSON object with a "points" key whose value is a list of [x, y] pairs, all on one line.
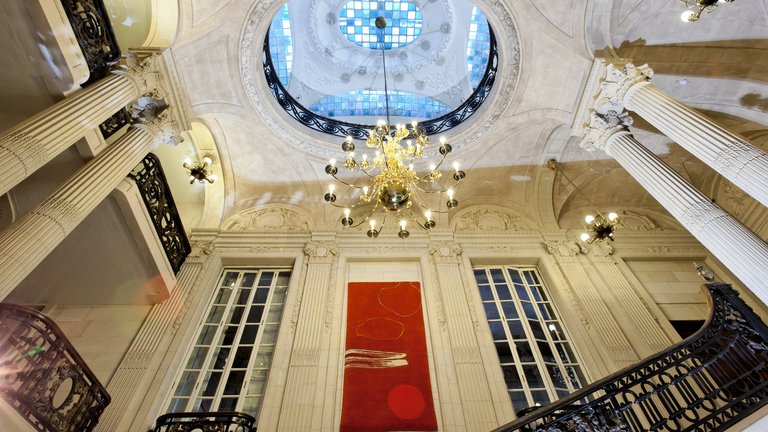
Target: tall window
{"points": [[228, 364], [535, 354]]}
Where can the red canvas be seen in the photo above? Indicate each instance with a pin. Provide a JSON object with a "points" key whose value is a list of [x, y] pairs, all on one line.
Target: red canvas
{"points": [[386, 372]]}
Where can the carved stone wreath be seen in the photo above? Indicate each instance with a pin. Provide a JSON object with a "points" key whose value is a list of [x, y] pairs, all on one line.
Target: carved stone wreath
{"points": [[269, 219]]}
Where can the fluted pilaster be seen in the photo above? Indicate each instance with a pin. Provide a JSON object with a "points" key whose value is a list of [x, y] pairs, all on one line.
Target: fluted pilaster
{"points": [[477, 409], [130, 383], [304, 385]]}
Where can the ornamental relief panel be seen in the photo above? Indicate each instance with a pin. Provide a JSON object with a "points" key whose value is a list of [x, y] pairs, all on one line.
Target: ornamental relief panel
{"points": [[489, 219], [269, 220]]}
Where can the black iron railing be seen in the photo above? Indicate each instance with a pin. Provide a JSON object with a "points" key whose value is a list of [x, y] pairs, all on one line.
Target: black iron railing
{"points": [[358, 131], [43, 377], [150, 179], [206, 422], [113, 124], [708, 382], [90, 22]]}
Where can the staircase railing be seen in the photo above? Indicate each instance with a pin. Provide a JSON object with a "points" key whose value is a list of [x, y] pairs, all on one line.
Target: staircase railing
{"points": [[708, 382], [43, 377], [152, 184], [90, 22], [196, 421]]}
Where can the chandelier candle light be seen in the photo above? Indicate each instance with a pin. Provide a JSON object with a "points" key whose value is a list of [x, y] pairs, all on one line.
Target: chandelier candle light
{"points": [[199, 171], [393, 185], [598, 227]]}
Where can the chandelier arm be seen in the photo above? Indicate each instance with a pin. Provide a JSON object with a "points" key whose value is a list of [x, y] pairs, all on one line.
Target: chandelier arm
{"points": [[421, 204], [415, 219], [345, 183], [437, 167], [353, 206], [365, 219]]}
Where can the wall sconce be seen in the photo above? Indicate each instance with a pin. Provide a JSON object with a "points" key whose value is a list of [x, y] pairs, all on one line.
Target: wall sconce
{"points": [[200, 171]]}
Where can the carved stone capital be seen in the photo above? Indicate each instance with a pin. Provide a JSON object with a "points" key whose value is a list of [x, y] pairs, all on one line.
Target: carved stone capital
{"points": [[599, 249], [562, 248], [145, 74], [617, 84], [158, 122], [321, 250], [603, 127], [445, 249]]}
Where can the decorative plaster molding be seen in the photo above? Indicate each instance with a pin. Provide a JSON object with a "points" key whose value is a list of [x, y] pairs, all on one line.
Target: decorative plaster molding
{"points": [[321, 249], [562, 248], [200, 248], [157, 120], [491, 219], [145, 73], [466, 355], [618, 85], [445, 249], [599, 249], [330, 295], [437, 296], [269, 219], [634, 221], [305, 357]]}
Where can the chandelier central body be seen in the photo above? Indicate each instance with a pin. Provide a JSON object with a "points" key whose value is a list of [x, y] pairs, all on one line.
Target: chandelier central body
{"points": [[392, 184]]}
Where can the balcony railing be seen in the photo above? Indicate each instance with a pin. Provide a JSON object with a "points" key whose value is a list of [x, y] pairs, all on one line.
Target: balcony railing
{"points": [[43, 377], [90, 22], [150, 179], [213, 422], [708, 382]]}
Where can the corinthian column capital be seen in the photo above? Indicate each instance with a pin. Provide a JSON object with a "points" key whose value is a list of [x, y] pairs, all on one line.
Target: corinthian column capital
{"points": [[618, 84], [602, 128], [158, 121], [146, 74]]}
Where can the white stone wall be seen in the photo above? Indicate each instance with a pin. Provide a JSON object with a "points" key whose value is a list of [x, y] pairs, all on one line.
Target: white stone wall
{"points": [[674, 286]]}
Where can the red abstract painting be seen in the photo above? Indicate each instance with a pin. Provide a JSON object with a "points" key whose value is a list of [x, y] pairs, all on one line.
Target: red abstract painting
{"points": [[386, 370]]}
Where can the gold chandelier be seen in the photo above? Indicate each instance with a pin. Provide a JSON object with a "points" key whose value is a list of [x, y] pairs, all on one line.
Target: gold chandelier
{"points": [[697, 7], [392, 185], [597, 227]]}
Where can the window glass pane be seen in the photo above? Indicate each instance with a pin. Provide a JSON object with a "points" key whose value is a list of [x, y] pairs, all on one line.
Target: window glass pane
{"points": [[254, 316], [545, 311], [519, 401], [485, 293], [546, 351], [222, 297], [555, 331], [243, 295], [497, 276], [491, 311], [235, 314], [282, 281], [261, 295], [497, 330], [220, 358], [270, 334], [504, 352], [258, 380], [538, 333], [228, 404], [533, 376], [511, 377], [203, 405], [557, 377], [263, 357], [234, 382], [515, 276], [481, 277], [230, 279], [524, 351], [540, 397], [214, 317], [187, 383], [266, 279], [211, 383], [227, 335], [522, 293], [249, 334], [177, 405], [510, 310], [242, 357], [528, 310], [503, 292], [206, 335], [197, 358], [248, 279], [516, 329]]}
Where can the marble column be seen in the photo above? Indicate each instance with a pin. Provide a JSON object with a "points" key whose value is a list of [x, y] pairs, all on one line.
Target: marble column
{"points": [[745, 254], [743, 164], [25, 243], [32, 143]]}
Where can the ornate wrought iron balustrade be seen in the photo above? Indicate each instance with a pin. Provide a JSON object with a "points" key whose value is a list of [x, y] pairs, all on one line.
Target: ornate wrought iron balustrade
{"points": [[358, 131], [150, 179], [43, 377], [708, 382], [90, 22], [205, 422]]}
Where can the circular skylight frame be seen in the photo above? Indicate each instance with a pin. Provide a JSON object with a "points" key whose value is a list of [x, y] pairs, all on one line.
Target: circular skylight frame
{"points": [[344, 129]]}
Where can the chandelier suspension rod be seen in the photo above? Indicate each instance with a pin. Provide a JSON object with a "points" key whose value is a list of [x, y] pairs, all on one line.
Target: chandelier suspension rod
{"points": [[381, 24]]}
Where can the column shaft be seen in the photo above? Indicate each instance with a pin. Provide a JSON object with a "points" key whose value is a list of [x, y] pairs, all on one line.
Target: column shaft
{"points": [[737, 160], [745, 254], [29, 240], [32, 143]]}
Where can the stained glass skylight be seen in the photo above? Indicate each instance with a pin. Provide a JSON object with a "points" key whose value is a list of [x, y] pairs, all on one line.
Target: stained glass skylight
{"points": [[356, 22], [478, 46], [281, 45], [372, 103]]}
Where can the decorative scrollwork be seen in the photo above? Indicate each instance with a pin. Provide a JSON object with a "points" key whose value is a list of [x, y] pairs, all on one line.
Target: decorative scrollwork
{"points": [[113, 124], [90, 22], [44, 378], [710, 381], [358, 131], [205, 422], [150, 179]]}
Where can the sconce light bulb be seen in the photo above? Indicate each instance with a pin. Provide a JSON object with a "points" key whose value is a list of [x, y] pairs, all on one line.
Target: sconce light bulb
{"points": [[372, 223], [402, 224], [428, 215], [207, 160], [612, 216], [331, 188], [686, 16], [456, 165], [584, 237], [589, 219], [346, 212], [450, 193]]}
